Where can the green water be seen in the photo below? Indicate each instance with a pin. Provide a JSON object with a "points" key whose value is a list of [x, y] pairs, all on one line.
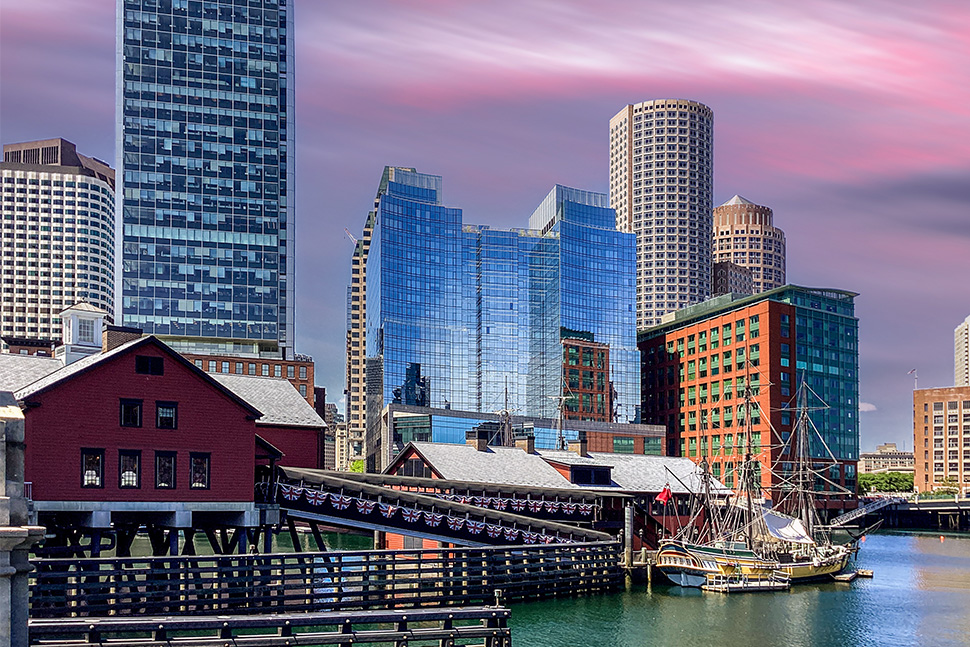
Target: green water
{"points": [[920, 595]]}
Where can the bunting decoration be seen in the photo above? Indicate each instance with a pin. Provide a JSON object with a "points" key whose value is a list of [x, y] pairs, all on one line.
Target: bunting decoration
{"points": [[499, 503], [315, 497], [569, 508], [517, 505], [585, 508], [365, 507], [433, 519], [535, 506], [290, 493], [521, 505], [340, 501], [493, 531], [475, 527], [479, 500], [552, 506], [529, 537], [511, 534], [387, 510], [455, 523], [410, 515], [547, 539]]}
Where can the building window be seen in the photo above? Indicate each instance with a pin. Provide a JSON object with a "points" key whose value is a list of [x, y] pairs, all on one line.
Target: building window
{"points": [[129, 468], [277, 371], [212, 366], [199, 471], [131, 413], [622, 445], [92, 468], [265, 370], [166, 415], [149, 365], [225, 367], [198, 363], [303, 372], [239, 368], [165, 470], [303, 390], [252, 369], [85, 331], [290, 372]]}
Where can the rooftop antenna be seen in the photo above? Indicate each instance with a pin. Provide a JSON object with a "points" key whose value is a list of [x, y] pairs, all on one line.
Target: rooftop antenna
{"points": [[350, 235]]}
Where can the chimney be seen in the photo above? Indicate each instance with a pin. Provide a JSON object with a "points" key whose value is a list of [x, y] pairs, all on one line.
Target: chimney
{"points": [[579, 446], [477, 438], [114, 336], [526, 442]]}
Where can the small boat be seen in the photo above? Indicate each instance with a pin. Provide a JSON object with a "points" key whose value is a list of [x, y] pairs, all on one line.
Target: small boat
{"points": [[865, 572]]}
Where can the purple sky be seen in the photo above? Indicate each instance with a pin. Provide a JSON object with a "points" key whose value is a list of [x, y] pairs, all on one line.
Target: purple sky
{"points": [[850, 120]]}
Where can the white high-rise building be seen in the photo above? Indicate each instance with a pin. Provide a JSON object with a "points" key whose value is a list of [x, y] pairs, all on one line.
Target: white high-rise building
{"points": [[57, 234], [961, 344], [661, 185], [744, 233]]}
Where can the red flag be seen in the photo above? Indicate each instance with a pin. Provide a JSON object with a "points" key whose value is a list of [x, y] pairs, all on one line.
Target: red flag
{"points": [[664, 495]]}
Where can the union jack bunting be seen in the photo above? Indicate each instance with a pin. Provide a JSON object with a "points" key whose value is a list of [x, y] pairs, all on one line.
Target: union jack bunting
{"points": [[340, 501], [530, 537], [552, 506], [463, 499], [455, 523], [511, 534], [411, 516], [365, 507], [388, 510], [569, 508], [432, 519], [290, 493], [585, 508], [315, 497], [517, 505], [493, 531], [479, 500], [547, 539], [535, 506], [499, 503], [475, 527]]}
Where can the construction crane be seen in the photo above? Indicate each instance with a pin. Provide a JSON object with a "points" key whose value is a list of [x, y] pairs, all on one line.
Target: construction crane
{"points": [[350, 235]]}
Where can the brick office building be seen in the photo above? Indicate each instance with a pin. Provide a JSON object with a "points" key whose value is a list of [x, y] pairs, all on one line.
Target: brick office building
{"points": [[698, 365], [941, 438]]}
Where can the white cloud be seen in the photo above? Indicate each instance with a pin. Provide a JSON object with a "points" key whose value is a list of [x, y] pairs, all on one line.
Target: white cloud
{"points": [[866, 406]]}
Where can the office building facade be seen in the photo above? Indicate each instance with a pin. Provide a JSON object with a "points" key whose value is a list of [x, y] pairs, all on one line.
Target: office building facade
{"points": [[698, 367], [744, 234], [57, 238], [961, 354], [941, 438], [469, 318], [205, 146], [661, 185]]}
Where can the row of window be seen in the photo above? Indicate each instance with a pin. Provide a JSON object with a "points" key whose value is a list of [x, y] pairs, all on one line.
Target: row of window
{"points": [[130, 469], [166, 414]]}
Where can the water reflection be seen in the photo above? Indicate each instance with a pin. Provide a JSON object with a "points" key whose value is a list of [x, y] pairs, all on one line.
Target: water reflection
{"points": [[919, 596]]}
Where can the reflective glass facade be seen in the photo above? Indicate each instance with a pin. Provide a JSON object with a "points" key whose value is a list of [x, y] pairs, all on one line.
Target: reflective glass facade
{"points": [[205, 149], [470, 318]]}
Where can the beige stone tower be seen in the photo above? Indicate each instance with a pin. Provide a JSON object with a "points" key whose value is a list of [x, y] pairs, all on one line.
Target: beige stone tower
{"points": [[661, 185], [744, 234]]}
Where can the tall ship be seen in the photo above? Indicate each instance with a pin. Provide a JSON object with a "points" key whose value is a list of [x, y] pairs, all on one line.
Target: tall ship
{"points": [[743, 540]]}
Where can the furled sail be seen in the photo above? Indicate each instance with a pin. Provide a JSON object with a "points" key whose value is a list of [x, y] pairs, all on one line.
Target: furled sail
{"points": [[786, 528]]}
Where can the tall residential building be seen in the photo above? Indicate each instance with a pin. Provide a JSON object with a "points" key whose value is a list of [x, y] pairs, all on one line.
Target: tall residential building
{"points": [[698, 366], [961, 354], [205, 146], [58, 210], [661, 185], [744, 234], [469, 318], [941, 438]]}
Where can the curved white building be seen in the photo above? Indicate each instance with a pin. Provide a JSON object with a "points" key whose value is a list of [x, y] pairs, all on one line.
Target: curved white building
{"points": [[57, 234], [744, 234], [661, 185]]}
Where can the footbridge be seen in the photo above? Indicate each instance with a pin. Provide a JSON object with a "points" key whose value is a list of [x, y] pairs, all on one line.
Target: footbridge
{"points": [[455, 512]]}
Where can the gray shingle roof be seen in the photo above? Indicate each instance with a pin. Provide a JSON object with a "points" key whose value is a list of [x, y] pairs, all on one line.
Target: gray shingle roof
{"points": [[499, 465], [17, 371], [64, 372], [277, 399]]}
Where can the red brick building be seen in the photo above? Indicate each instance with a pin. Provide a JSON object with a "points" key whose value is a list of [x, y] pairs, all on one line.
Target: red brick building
{"points": [[586, 376]]}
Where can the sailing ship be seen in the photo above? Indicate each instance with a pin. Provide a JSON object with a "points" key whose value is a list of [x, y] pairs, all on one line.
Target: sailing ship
{"points": [[747, 541]]}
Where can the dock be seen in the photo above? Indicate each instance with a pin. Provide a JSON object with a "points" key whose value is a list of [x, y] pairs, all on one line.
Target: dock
{"points": [[747, 583]]}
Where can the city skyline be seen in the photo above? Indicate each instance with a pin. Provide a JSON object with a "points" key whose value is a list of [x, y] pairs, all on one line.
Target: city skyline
{"points": [[845, 119]]}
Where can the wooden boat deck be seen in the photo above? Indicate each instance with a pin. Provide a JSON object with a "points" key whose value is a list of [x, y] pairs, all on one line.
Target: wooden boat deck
{"points": [[746, 583]]}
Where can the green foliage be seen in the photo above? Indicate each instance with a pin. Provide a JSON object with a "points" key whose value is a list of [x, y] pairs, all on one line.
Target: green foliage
{"points": [[885, 482], [357, 467], [949, 487]]}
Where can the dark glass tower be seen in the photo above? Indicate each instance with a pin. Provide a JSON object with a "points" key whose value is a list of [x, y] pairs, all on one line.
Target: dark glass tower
{"points": [[205, 155]]}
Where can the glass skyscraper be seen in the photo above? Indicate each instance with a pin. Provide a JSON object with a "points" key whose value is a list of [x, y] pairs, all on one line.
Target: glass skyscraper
{"points": [[471, 318], [205, 154]]}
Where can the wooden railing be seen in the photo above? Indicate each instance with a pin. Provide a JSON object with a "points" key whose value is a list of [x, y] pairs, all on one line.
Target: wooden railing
{"points": [[487, 626], [379, 579]]}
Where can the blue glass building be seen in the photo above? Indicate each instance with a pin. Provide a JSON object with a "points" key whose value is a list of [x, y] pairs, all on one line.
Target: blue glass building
{"points": [[470, 318], [205, 156]]}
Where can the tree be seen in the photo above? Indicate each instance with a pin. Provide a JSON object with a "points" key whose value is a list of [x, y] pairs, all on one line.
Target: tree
{"points": [[885, 482]]}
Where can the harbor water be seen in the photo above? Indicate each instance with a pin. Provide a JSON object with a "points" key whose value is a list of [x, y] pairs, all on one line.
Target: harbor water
{"points": [[920, 595]]}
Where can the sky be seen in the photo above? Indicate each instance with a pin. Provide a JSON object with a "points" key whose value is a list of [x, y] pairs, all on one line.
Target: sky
{"points": [[850, 119]]}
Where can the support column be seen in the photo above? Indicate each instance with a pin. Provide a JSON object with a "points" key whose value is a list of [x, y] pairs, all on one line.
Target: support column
{"points": [[16, 536], [628, 534]]}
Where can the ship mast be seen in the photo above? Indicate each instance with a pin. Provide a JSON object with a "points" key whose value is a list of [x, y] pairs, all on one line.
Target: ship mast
{"points": [[806, 502], [748, 475]]}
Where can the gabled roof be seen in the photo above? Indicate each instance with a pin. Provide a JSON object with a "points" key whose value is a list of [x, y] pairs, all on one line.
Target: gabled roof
{"points": [[84, 306], [92, 361], [498, 465], [278, 399], [17, 371], [643, 473]]}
